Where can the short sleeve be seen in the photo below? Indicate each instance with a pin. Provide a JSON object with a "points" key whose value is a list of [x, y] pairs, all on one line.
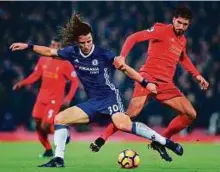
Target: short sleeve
{"points": [[65, 52], [69, 70], [155, 32], [110, 55], [38, 65]]}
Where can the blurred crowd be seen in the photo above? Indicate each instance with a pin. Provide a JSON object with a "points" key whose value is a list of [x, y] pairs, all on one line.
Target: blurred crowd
{"points": [[112, 22]]}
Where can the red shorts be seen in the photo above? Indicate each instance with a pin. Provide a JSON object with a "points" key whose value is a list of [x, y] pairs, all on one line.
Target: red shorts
{"points": [[46, 111], [165, 91]]}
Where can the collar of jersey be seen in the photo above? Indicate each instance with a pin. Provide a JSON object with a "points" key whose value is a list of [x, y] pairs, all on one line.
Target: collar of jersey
{"points": [[85, 56]]}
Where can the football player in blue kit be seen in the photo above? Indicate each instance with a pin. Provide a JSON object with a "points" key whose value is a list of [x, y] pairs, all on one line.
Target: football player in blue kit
{"points": [[94, 66]]}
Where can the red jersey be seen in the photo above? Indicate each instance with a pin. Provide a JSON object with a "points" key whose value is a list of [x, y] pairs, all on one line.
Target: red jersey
{"points": [[164, 52], [54, 73]]}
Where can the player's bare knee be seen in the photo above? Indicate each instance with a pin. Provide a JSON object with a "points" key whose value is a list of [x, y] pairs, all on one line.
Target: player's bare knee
{"points": [[122, 121], [192, 114]]}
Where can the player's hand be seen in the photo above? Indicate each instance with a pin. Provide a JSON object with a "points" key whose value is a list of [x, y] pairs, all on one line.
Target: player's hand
{"points": [[202, 82], [152, 87], [119, 61], [17, 85], [18, 46]]}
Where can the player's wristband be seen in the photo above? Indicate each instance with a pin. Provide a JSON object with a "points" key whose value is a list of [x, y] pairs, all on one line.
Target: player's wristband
{"points": [[144, 83], [30, 46]]}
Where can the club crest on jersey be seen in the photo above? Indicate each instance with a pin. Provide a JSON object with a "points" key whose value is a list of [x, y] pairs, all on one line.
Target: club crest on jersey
{"points": [[76, 60], [95, 62]]}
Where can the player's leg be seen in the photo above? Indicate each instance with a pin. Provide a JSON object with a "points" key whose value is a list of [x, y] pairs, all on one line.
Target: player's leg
{"points": [[45, 131], [134, 108], [167, 94], [47, 125], [139, 98], [72, 115], [186, 115], [123, 123], [38, 115]]}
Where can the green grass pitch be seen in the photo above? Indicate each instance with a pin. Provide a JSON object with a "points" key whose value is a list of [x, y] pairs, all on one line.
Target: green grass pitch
{"points": [[23, 157]]}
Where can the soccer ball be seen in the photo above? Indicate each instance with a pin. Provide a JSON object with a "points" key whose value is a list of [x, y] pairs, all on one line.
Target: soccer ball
{"points": [[128, 158]]}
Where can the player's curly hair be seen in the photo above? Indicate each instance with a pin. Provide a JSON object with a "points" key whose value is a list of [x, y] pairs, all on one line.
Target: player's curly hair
{"points": [[183, 12], [73, 29]]}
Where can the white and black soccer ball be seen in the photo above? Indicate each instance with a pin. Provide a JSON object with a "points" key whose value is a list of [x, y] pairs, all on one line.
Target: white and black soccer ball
{"points": [[128, 158]]}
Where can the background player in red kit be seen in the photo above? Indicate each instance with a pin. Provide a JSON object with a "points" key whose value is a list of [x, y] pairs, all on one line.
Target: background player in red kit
{"points": [[167, 47], [54, 74]]}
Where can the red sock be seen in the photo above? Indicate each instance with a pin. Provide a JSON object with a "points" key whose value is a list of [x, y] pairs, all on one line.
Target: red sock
{"points": [[110, 130], [176, 125], [44, 139]]}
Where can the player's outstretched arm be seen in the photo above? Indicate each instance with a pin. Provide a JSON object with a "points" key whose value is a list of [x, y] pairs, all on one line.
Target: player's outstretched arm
{"points": [[188, 65], [131, 73], [140, 36], [131, 41], [33, 77], [42, 50]]}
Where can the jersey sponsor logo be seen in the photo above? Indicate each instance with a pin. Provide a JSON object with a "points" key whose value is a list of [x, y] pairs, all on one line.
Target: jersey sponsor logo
{"points": [[53, 75], [175, 49], [92, 70], [150, 29], [95, 62]]}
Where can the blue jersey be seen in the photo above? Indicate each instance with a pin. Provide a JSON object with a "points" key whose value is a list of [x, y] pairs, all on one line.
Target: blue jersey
{"points": [[94, 70]]}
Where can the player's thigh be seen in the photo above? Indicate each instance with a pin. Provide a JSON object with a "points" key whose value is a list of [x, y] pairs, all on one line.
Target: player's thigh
{"points": [[139, 98], [71, 115], [122, 121], [182, 105]]}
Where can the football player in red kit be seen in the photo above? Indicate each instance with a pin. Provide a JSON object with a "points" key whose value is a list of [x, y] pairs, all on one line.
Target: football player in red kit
{"points": [[54, 74], [167, 48]]}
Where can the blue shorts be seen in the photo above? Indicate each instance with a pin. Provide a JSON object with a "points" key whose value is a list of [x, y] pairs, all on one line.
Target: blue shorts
{"points": [[97, 108]]}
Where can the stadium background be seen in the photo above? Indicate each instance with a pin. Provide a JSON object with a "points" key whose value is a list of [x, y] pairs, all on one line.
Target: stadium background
{"points": [[112, 22]]}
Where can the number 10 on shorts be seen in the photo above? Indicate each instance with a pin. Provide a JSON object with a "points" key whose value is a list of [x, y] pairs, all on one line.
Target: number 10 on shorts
{"points": [[112, 109]]}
